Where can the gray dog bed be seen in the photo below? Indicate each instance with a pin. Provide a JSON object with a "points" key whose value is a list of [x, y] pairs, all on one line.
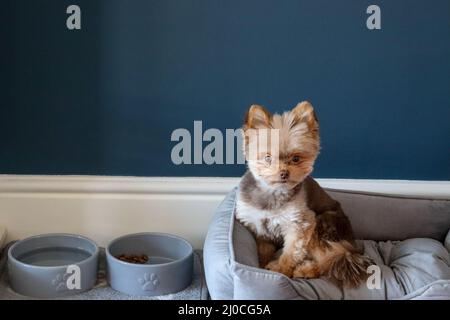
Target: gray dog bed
{"points": [[410, 243]]}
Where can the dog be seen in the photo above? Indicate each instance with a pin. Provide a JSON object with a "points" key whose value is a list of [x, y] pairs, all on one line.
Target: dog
{"points": [[284, 207]]}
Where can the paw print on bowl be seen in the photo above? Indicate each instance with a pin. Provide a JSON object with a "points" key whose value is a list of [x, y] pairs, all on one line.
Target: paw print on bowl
{"points": [[60, 282], [149, 282]]}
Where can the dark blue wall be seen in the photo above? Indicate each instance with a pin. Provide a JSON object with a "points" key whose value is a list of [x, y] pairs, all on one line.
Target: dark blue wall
{"points": [[104, 100]]}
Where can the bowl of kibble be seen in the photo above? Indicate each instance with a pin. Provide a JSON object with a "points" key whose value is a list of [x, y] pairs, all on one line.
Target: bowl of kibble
{"points": [[149, 264]]}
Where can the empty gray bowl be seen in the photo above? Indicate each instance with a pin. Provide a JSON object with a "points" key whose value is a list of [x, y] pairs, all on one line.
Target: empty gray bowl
{"points": [[168, 270], [53, 265]]}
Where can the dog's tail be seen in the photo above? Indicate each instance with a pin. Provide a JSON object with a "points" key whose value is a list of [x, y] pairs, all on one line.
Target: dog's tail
{"points": [[347, 266]]}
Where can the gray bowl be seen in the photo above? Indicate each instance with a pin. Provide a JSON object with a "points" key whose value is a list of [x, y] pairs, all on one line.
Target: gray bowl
{"points": [[53, 265], [168, 270]]}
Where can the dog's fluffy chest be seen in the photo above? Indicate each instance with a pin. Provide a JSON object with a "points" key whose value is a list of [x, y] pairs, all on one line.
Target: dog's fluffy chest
{"points": [[270, 223]]}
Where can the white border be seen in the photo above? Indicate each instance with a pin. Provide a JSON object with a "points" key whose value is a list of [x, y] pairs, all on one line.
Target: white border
{"points": [[103, 208], [200, 185]]}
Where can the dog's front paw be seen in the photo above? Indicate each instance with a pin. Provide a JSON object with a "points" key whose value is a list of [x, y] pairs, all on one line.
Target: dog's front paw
{"points": [[273, 266], [276, 266], [307, 270]]}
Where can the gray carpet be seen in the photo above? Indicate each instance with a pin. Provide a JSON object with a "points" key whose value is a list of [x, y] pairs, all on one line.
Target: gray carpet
{"points": [[196, 291]]}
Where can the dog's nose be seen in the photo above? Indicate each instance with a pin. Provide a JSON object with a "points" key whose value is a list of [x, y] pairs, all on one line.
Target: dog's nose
{"points": [[284, 174]]}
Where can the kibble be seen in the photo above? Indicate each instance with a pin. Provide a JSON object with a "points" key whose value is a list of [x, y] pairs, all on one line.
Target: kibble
{"points": [[133, 258]]}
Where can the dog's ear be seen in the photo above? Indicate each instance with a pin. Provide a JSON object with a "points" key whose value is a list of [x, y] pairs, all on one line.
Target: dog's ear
{"points": [[257, 117], [304, 112]]}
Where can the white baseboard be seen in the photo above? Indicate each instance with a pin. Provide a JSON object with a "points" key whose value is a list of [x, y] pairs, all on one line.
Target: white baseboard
{"points": [[105, 207]]}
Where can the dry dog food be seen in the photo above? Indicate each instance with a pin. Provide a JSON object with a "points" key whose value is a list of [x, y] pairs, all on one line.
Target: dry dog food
{"points": [[133, 258]]}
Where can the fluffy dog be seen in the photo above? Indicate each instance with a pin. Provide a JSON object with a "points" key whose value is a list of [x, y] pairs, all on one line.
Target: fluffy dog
{"points": [[285, 208]]}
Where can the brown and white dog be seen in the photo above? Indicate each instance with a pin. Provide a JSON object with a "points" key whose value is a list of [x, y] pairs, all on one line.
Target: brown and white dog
{"points": [[285, 208]]}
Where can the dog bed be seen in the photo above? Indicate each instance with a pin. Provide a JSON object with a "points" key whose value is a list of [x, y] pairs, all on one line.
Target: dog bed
{"points": [[410, 243]]}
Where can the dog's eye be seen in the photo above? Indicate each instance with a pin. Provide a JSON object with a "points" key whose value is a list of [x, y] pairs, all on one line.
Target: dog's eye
{"points": [[268, 158], [295, 159]]}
